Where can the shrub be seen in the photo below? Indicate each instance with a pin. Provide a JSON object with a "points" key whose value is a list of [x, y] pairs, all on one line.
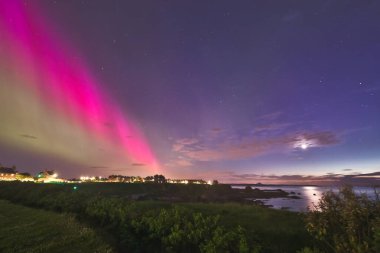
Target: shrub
{"points": [[345, 222], [170, 229], [179, 230]]}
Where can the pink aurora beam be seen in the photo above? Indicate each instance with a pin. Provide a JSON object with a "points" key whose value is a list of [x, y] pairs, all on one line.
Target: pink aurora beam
{"points": [[52, 69]]}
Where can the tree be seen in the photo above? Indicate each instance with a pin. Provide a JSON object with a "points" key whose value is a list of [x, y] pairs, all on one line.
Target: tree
{"points": [[149, 179], [159, 179]]}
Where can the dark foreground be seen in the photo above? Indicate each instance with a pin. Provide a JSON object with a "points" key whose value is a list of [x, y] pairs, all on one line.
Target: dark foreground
{"points": [[25, 229], [163, 218]]}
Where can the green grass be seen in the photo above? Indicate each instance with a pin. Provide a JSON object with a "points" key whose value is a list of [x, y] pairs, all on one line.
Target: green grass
{"points": [[24, 229]]}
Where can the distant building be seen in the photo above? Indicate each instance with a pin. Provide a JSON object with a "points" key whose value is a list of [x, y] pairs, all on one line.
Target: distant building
{"points": [[125, 179], [119, 179], [177, 181], [7, 174], [186, 181], [92, 179], [24, 177], [48, 176], [197, 181]]}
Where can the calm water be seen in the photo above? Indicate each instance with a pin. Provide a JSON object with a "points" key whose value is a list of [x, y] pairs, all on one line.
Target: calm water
{"points": [[308, 195]]}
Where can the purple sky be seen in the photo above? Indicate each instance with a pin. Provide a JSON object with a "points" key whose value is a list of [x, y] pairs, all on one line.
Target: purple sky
{"points": [[241, 91]]}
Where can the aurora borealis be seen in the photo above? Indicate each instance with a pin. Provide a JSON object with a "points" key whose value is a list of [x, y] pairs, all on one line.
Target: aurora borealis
{"points": [[47, 93], [242, 91]]}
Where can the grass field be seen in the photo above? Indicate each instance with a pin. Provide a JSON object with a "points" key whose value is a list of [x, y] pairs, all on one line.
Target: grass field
{"points": [[109, 208], [24, 229]]}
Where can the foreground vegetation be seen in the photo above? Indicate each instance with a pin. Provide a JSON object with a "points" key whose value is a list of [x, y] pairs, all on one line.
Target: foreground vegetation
{"points": [[340, 223], [24, 229], [345, 223], [166, 226], [174, 192]]}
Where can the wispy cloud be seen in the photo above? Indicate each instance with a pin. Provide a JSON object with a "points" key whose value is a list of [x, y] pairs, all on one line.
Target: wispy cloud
{"points": [[179, 163], [99, 167], [271, 127], [120, 169], [181, 143], [216, 129], [28, 136], [327, 179], [138, 164], [251, 146], [270, 116]]}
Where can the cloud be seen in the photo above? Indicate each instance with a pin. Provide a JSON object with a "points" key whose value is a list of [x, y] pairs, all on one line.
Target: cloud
{"points": [[216, 129], [271, 127], [138, 164], [181, 143], [99, 167], [244, 148], [316, 139], [321, 138], [180, 163], [270, 116], [368, 175], [327, 179], [184, 163], [28, 136], [245, 177], [228, 152], [120, 169]]}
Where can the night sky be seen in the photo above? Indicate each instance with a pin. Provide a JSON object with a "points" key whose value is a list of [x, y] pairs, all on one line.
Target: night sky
{"points": [[239, 91]]}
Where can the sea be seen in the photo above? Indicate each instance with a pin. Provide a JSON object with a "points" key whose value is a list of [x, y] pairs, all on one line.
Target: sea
{"points": [[308, 195]]}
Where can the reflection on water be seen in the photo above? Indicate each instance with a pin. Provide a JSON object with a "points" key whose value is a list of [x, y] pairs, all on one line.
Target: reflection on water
{"points": [[309, 195]]}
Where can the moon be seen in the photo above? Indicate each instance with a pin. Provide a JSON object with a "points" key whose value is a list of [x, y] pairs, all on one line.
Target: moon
{"points": [[304, 146]]}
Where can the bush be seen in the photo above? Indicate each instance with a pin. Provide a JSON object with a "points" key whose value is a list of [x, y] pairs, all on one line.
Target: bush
{"points": [[179, 230], [309, 250], [170, 229], [345, 222]]}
